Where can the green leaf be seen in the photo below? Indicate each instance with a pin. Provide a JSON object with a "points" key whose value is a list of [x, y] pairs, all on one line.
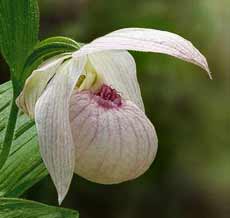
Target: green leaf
{"points": [[19, 26], [24, 166], [18, 208]]}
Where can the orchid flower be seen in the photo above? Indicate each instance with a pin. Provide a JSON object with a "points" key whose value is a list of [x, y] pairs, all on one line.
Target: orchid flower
{"points": [[88, 108]]}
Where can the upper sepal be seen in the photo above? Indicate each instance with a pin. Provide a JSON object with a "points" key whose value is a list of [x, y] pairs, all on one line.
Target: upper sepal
{"points": [[147, 40]]}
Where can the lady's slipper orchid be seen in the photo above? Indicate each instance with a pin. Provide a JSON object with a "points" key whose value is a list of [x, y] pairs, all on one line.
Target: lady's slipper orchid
{"points": [[88, 108]]}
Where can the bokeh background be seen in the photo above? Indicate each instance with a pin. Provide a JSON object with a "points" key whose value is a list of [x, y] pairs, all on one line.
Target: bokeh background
{"points": [[191, 174]]}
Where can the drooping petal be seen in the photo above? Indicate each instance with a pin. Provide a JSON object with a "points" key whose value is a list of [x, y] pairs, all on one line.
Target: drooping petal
{"points": [[53, 126], [113, 145], [36, 83], [147, 40], [118, 70]]}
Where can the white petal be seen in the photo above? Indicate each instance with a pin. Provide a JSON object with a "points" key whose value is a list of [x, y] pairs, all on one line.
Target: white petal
{"points": [[118, 69], [53, 126], [147, 40], [36, 83], [113, 145]]}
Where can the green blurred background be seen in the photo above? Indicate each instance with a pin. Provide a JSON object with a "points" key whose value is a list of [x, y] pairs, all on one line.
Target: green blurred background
{"points": [[190, 177]]}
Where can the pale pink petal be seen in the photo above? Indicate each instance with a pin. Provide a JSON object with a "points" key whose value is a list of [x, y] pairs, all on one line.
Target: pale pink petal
{"points": [[147, 40], [53, 126], [36, 83], [113, 145]]}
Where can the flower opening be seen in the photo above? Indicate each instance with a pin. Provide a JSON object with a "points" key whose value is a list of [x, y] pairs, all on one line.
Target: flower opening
{"points": [[108, 97]]}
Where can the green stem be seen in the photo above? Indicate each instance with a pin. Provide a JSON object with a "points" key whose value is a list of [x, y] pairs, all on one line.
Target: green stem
{"points": [[9, 134]]}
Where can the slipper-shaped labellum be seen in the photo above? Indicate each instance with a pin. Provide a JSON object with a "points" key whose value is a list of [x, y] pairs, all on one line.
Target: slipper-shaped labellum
{"points": [[88, 108]]}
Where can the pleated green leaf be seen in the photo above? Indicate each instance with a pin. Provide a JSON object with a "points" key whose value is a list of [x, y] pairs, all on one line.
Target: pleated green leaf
{"points": [[19, 26], [18, 208], [24, 166]]}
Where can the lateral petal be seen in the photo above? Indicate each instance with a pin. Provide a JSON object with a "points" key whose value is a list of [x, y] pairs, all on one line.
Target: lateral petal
{"points": [[36, 83], [147, 40], [118, 69], [53, 126]]}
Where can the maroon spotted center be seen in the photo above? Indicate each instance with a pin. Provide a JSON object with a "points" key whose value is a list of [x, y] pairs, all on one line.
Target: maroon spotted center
{"points": [[108, 97]]}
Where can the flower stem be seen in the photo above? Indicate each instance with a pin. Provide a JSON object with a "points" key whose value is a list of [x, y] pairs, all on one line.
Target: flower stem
{"points": [[9, 134]]}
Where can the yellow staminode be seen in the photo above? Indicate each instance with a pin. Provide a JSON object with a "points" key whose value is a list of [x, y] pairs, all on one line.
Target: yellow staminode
{"points": [[90, 79]]}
